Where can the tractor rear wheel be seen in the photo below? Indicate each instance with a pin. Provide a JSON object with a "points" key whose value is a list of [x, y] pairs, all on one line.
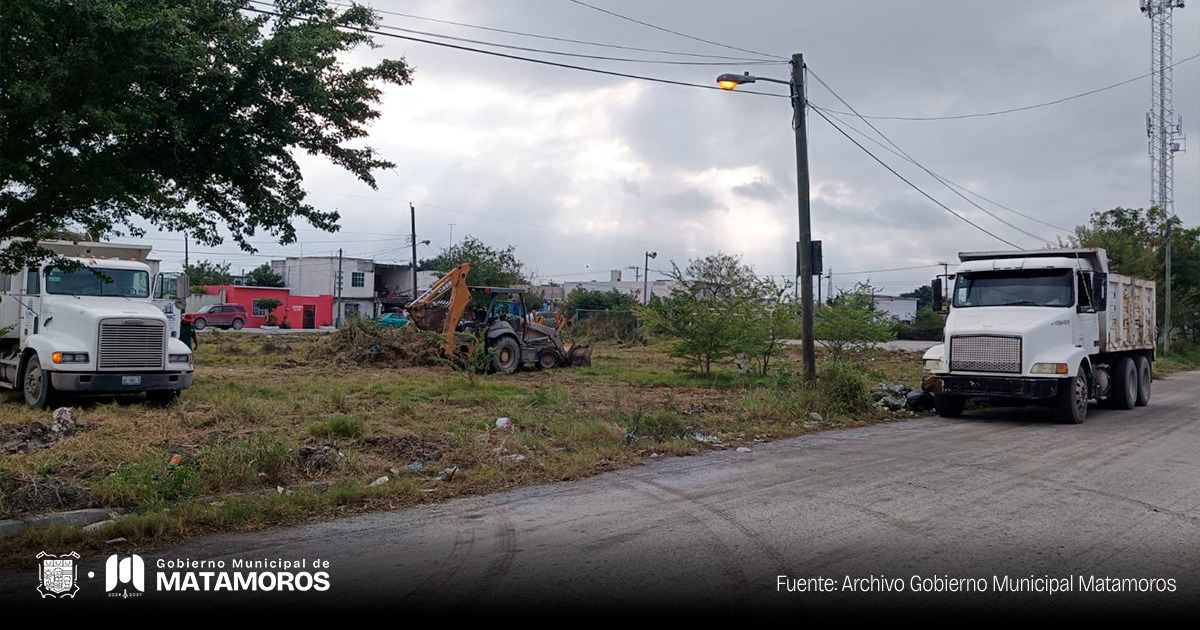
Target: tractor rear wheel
{"points": [[507, 356]]}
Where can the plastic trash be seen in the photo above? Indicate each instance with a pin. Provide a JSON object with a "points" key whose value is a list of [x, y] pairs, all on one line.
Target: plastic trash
{"points": [[415, 465], [503, 423]]}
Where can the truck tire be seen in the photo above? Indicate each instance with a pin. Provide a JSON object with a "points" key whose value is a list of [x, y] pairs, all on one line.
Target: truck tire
{"points": [[508, 355], [35, 382], [1072, 399], [1144, 377], [1124, 391], [949, 406]]}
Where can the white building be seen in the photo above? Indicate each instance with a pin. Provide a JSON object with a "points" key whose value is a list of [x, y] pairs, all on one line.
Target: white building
{"points": [[368, 288], [903, 309]]}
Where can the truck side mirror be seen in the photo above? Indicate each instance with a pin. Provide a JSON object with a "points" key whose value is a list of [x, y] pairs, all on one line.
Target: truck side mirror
{"points": [[936, 287], [1099, 292]]}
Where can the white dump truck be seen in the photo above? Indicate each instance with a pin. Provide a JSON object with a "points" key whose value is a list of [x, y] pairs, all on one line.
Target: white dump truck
{"points": [[110, 326], [1050, 327]]}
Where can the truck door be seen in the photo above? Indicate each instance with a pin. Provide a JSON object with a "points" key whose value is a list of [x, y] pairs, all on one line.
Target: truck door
{"points": [[1087, 327], [31, 304], [170, 294]]}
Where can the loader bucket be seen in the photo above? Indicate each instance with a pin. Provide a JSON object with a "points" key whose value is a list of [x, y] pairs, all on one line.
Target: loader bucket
{"points": [[579, 356], [429, 318]]}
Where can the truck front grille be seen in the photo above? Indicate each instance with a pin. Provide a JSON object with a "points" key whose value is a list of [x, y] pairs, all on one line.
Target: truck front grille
{"points": [[985, 353], [131, 344]]}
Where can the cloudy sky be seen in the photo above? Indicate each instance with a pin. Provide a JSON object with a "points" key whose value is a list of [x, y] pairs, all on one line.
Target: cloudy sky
{"points": [[582, 173]]}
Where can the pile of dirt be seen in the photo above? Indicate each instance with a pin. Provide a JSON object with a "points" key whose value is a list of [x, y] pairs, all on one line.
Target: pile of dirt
{"points": [[43, 495], [363, 341], [404, 448], [35, 436]]}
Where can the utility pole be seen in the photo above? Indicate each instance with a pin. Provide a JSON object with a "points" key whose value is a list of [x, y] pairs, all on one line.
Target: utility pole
{"points": [[451, 234], [637, 272], [412, 210], [185, 252], [338, 319], [830, 276], [646, 278], [805, 210], [1165, 130]]}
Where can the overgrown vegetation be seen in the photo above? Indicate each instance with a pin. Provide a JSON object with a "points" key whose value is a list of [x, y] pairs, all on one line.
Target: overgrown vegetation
{"points": [[850, 322], [269, 415]]}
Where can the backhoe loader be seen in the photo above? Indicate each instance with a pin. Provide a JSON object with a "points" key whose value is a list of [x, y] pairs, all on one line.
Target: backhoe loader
{"points": [[516, 336]]}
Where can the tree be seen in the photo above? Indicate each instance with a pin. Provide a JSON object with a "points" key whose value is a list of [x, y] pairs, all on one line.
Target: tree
{"points": [[490, 267], [206, 273], [269, 305], [184, 115], [924, 295], [851, 323], [264, 276], [583, 298], [1134, 240], [771, 319], [706, 313]]}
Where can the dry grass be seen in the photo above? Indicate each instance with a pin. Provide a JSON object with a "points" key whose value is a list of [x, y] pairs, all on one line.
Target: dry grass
{"points": [[262, 409]]}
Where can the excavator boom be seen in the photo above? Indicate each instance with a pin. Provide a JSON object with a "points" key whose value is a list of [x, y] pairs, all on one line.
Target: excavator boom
{"points": [[441, 307]]}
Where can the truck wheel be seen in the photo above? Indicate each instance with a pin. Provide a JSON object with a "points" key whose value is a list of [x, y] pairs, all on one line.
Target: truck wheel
{"points": [[237, 324], [508, 355], [1072, 399], [948, 406], [200, 323], [1144, 377], [36, 383], [163, 397], [1124, 391]]}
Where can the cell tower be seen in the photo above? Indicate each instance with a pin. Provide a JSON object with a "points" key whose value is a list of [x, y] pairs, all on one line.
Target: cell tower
{"points": [[1164, 127]]}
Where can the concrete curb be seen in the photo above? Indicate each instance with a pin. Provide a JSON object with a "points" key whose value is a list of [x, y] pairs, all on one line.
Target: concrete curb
{"points": [[75, 518]]}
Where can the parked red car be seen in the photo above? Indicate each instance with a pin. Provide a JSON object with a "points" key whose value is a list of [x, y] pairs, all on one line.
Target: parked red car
{"points": [[221, 316]]}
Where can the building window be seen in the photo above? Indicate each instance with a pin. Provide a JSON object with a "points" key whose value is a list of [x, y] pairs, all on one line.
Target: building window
{"points": [[257, 310], [350, 309], [358, 279]]}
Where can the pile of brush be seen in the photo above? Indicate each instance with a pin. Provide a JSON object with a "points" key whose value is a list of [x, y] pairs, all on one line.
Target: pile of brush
{"points": [[364, 341]]}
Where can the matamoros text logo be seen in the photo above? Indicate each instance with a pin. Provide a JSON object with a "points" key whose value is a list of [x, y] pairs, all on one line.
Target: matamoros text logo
{"points": [[125, 577], [238, 574]]}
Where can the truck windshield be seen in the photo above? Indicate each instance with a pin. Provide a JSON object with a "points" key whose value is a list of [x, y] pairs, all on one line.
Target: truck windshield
{"points": [[131, 283], [1042, 287]]}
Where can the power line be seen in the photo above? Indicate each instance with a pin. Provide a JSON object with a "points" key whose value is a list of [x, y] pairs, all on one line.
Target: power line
{"points": [[918, 164], [531, 59], [906, 181], [885, 147], [553, 38], [859, 273], [1011, 110], [667, 30]]}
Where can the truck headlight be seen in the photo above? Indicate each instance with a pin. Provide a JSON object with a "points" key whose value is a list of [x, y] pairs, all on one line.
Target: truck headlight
{"points": [[179, 358], [69, 357], [1049, 368], [934, 365]]}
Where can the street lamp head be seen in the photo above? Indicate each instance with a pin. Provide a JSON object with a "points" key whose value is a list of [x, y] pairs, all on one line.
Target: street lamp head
{"points": [[729, 81], [425, 242], [652, 254]]}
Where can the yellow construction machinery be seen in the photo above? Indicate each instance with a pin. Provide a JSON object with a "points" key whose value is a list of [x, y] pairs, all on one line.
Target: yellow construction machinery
{"points": [[516, 336]]}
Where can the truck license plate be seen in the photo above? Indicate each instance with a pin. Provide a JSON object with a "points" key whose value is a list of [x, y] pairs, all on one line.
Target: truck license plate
{"points": [[136, 379]]}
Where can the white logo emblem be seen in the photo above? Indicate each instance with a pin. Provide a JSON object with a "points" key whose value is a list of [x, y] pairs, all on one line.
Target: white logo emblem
{"points": [[126, 574], [58, 574]]}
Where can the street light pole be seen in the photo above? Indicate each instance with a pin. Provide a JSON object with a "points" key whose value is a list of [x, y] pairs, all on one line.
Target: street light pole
{"points": [[646, 278], [799, 126]]}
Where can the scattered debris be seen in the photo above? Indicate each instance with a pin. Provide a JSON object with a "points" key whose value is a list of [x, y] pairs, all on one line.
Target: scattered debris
{"points": [[394, 470], [515, 457], [447, 474], [654, 455], [64, 420], [378, 482], [114, 541], [364, 341], [743, 449], [919, 401], [427, 490], [891, 402], [415, 465], [814, 416], [706, 439], [98, 525], [279, 489], [503, 423], [174, 462], [318, 459]]}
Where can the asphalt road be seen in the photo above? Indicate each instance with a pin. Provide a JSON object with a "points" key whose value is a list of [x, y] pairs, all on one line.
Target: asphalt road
{"points": [[996, 493]]}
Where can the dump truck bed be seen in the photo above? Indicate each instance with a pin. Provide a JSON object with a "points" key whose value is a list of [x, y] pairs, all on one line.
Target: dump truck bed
{"points": [[1130, 321]]}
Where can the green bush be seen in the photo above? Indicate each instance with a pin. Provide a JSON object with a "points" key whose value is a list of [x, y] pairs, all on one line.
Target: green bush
{"points": [[147, 484], [844, 387], [660, 425], [337, 425]]}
